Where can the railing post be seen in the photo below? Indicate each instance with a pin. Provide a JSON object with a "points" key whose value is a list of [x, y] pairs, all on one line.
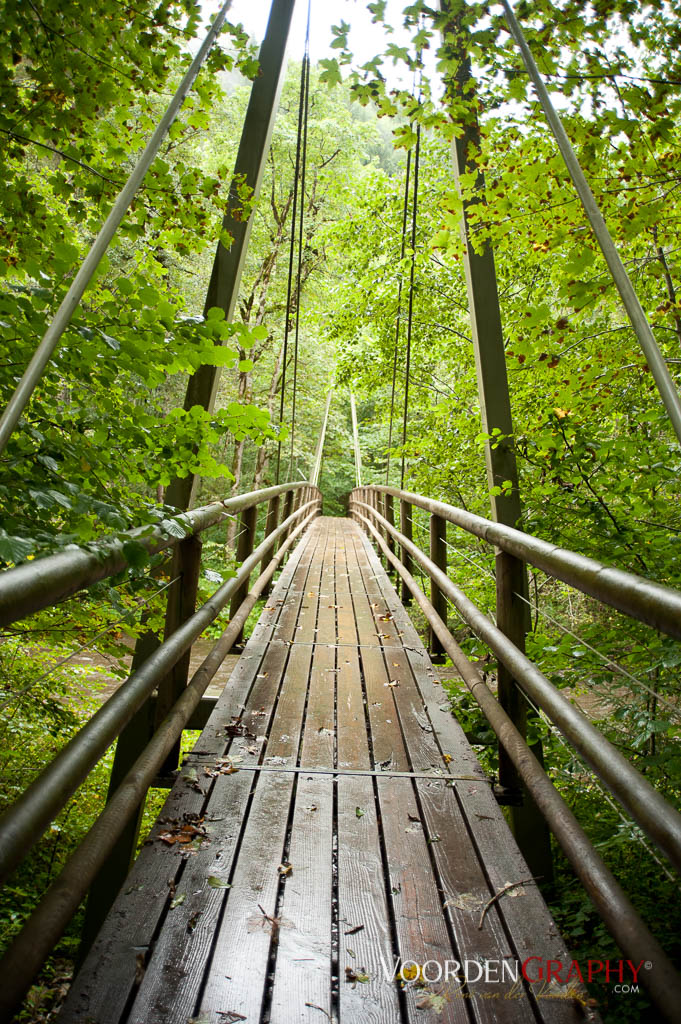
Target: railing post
{"points": [[390, 516], [406, 530], [438, 555], [247, 523], [271, 523], [186, 564], [288, 509]]}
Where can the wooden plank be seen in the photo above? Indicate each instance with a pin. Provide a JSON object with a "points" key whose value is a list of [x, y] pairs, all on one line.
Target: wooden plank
{"points": [[526, 918], [362, 901], [107, 979], [302, 976], [362, 904], [174, 983], [388, 749], [420, 926], [416, 860], [237, 973], [462, 879]]}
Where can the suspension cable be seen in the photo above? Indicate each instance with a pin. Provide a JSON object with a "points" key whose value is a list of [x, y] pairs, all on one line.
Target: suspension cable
{"points": [[405, 214], [292, 247], [414, 211], [303, 172]]}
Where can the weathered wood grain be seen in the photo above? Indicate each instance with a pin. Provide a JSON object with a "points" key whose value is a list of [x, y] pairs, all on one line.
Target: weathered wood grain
{"points": [[334, 675]]}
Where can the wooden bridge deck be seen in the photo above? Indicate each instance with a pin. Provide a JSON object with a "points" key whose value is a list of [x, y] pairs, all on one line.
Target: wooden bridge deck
{"points": [[214, 926]]}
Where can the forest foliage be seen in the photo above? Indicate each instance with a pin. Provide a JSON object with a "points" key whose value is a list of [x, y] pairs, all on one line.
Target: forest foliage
{"points": [[82, 86]]}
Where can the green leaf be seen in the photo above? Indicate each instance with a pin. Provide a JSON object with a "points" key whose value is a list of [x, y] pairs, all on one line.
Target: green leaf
{"points": [[136, 554], [15, 549], [218, 883]]}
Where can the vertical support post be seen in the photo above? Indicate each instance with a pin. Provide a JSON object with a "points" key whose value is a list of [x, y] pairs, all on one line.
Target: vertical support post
{"points": [[271, 523], [355, 441], [181, 605], [244, 547], [527, 821], [248, 169], [406, 530], [438, 554], [288, 509], [390, 516]]}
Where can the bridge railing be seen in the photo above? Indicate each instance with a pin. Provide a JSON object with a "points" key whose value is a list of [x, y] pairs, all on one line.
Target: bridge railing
{"points": [[641, 599], [147, 726]]}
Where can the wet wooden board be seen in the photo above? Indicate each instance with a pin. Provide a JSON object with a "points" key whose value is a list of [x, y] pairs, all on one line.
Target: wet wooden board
{"points": [[382, 869]]}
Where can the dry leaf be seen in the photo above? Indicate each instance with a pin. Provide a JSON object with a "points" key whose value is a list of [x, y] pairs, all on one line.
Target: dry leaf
{"points": [[140, 968], [353, 931], [355, 976]]}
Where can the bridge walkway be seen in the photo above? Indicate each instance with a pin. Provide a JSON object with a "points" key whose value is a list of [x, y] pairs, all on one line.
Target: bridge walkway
{"points": [[331, 819]]}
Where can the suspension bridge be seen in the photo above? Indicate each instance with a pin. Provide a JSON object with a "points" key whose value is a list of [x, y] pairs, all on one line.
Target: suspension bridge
{"points": [[331, 848]]}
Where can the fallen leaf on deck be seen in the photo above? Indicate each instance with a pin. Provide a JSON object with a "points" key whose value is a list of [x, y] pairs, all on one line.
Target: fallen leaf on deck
{"points": [[184, 832], [285, 869], [447, 758], [140, 968], [464, 901], [355, 976], [218, 883], [353, 931], [178, 901], [359, 812], [433, 1001], [193, 921], [223, 766]]}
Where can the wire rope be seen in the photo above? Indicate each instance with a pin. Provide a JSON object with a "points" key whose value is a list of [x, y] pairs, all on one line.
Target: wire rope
{"points": [[292, 248], [303, 173]]}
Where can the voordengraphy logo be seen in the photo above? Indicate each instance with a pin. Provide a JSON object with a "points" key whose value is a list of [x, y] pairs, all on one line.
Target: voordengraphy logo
{"points": [[535, 970]]}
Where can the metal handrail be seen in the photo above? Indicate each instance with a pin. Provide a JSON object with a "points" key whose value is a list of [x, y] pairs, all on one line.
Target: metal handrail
{"points": [[47, 923], [26, 820], [657, 817], [653, 603], [38, 584], [629, 930]]}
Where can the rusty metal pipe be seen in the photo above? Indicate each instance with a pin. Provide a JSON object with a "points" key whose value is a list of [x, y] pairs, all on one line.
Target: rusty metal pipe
{"points": [[43, 929], [46, 581], [25, 821], [622, 920], [645, 805], [653, 603]]}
